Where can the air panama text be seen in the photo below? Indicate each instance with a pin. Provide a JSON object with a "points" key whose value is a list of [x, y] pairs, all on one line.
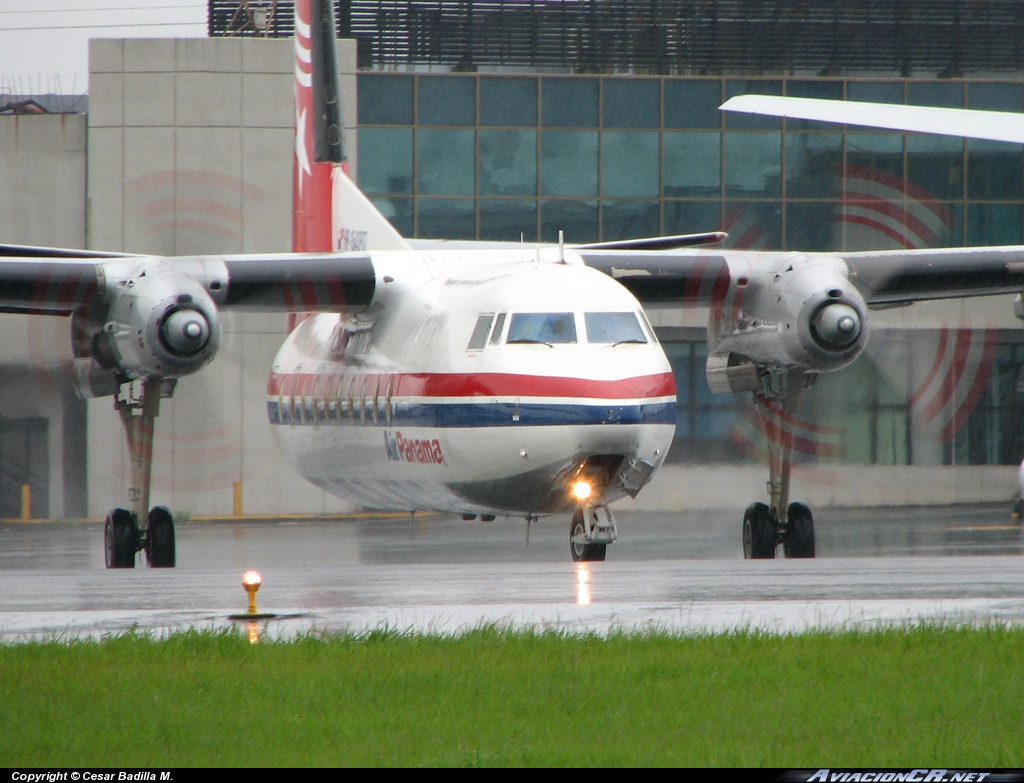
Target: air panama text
{"points": [[401, 449]]}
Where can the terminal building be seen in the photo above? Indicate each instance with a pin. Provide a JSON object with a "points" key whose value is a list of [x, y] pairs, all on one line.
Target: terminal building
{"points": [[514, 120]]}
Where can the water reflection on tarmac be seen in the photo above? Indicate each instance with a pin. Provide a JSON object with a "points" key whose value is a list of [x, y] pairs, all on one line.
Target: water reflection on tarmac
{"points": [[682, 571]]}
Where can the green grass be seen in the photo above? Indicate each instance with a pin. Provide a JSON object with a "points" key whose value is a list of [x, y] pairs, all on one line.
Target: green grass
{"points": [[925, 696]]}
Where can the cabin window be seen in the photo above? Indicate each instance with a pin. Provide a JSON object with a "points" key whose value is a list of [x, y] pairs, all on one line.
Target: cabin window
{"points": [[613, 328], [480, 332], [499, 327], [548, 328]]}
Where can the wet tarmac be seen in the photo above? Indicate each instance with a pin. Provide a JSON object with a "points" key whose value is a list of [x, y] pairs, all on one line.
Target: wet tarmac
{"points": [[680, 572]]}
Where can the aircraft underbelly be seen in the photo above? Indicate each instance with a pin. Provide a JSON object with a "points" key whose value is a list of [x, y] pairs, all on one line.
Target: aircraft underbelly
{"points": [[458, 469]]}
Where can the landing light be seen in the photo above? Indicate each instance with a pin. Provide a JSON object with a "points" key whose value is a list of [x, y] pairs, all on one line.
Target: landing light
{"points": [[581, 490]]}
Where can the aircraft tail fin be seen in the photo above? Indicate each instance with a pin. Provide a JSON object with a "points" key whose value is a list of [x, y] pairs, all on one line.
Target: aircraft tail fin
{"points": [[329, 213]]}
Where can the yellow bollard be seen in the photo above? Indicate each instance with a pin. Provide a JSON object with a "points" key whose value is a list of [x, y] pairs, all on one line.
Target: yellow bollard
{"points": [[238, 499], [26, 501]]}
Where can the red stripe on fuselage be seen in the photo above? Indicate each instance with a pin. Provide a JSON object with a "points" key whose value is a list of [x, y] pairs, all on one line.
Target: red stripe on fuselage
{"points": [[491, 385]]}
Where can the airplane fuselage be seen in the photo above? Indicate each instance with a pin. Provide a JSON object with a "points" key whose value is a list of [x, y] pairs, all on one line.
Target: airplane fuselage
{"points": [[476, 383]]}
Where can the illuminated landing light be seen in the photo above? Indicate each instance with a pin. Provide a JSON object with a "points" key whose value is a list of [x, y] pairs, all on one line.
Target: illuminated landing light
{"points": [[582, 584], [581, 490]]}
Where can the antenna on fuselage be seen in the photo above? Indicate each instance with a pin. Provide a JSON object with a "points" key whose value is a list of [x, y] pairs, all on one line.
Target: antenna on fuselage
{"points": [[561, 246]]}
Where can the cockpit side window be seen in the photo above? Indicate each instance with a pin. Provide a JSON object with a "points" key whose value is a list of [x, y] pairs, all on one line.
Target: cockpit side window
{"points": [[613, 328], [499, 326], [549, 328], [480, 332]]}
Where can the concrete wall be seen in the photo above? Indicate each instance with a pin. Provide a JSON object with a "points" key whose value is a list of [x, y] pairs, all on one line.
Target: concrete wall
{"points": [[42, 202], [190, 151]]}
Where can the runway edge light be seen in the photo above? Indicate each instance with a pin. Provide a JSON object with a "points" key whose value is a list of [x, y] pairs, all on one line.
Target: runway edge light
{"points": [[251, 581]]}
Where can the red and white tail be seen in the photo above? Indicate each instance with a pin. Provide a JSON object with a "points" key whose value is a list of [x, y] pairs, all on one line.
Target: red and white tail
{"points": [[329, 213]]}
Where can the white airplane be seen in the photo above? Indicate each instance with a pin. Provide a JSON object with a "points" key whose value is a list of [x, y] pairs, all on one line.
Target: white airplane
{"points": [[515, 381]]}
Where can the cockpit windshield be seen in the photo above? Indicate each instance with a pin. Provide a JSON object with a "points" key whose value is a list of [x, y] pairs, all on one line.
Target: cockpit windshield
{"points": [[613, 328], [548, 328]]}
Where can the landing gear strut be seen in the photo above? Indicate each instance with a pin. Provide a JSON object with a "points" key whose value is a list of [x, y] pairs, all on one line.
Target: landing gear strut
{"points": [[791, 524], [590, 532], [123, 534]]}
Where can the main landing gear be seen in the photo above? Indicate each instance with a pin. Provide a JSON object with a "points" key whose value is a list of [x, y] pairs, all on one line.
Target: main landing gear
{"points": [[765, 526], [591, 530], [124, 534]]}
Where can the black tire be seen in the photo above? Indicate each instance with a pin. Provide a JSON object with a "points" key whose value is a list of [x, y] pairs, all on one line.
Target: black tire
{"points": [[758, 533], [799, 540], [120, 539], [583, 553], [160, 541]]}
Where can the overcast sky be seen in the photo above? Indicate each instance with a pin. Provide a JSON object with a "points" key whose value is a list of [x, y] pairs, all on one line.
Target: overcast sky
{"points": [[44, 43]]}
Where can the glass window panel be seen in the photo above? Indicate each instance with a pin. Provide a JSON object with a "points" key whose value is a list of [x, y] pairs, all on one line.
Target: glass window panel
{"points": [[935, 166], [692, 164], [542, 327], [578, 219], [818, 88], [693, 103], [632, 103], [715, 423], [570, 103], [398, 211], [629, 164], [994, 224], [508, 220], [630, 220], [479, 337], [613, 328], [874, 152], [753, 225], [445, 162], [385, 160], [939, 93], [875, 92], [813, 226], [813, 165], [995, 96], [689, 217], [508, 101], [829, 89], [994, 170], [499, 327], [446, 218], [384, 100], [882, 210], [753, 164], [447, 100], [891, 363], [508, 162], [568, 163], [735, 87]]}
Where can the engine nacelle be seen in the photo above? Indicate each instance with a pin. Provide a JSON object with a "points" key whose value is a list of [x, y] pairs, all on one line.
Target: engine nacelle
{"points": [[160, 323], [805, 314]]}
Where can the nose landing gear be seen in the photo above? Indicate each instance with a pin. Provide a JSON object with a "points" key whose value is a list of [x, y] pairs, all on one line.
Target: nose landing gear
{"points": [[591, 530]]}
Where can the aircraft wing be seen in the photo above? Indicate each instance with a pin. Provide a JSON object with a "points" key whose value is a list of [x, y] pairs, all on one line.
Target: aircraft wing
{"points": [[55, 282], [974, 124], [887, 277], [883, 277]]}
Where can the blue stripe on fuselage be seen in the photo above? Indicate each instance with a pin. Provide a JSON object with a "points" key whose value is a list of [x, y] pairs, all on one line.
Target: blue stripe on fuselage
{"points": [[487, 415]]}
